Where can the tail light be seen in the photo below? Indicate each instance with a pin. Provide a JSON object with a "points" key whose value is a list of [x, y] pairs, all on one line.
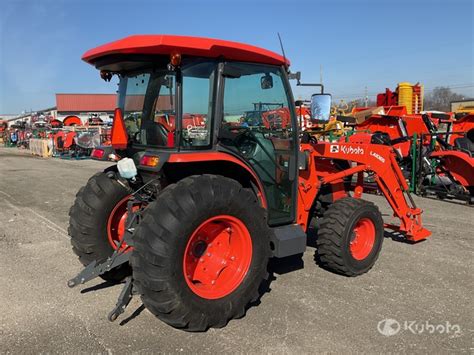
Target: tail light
{"points": [[150, 160], [97, 153]]}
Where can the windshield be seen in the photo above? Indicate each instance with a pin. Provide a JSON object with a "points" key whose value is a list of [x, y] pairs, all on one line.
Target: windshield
{"points": [[147, 101]]}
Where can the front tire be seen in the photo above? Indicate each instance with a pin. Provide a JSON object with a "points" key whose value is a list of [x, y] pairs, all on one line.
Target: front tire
{"points": [[350, 237], [201, 252]]}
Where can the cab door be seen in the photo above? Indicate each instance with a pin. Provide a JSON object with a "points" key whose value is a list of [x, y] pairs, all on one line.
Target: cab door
{"points": [[258, 123]]}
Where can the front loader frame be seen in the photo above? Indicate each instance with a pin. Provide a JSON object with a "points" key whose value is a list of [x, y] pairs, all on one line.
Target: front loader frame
{"points": [[366, 158]]}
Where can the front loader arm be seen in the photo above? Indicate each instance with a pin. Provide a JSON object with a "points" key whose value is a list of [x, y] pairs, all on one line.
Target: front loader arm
{"points": [[380, 160]]}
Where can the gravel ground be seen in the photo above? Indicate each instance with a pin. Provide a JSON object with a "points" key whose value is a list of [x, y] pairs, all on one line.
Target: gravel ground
{"points": [[308, 310]]}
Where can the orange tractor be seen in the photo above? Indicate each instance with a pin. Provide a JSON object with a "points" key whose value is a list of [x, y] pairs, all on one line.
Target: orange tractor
{"points": [[196, 207]]}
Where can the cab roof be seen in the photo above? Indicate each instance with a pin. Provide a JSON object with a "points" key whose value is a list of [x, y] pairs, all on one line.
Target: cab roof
{"points": [[185, 45]]}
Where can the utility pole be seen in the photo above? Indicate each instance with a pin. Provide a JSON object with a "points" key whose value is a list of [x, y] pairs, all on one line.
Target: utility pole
{"points": [[366, 98]]}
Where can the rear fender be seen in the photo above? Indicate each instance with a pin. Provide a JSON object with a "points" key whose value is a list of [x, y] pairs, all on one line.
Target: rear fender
{"points": [[176, 166]]}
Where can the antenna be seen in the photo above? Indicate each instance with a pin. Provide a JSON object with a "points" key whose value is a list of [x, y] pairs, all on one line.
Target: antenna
{"points": [[282, 49]]}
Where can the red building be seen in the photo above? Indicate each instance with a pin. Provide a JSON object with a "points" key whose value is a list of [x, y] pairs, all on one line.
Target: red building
{"points": [[78, 109]]}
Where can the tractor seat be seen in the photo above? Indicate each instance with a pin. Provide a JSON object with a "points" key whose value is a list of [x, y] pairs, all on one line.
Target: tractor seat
{"points": [[466, 144], [380, 138]]}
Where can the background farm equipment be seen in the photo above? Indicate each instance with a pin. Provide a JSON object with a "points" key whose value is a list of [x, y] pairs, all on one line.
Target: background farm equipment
{"points": [[462, 108], [63, 142], [75, 144], [406, 95], [3, 129], [433, 149], [447, 172]]}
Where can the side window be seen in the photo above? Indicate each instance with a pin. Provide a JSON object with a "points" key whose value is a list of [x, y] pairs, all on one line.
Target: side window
{"points": [[257, 124], [198, 81], [258, 99], [147, 101]]}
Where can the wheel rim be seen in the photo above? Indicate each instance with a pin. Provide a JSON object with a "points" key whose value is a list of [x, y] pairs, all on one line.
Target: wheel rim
{"points": [[363, 239], [217, 257], [116, 224]]}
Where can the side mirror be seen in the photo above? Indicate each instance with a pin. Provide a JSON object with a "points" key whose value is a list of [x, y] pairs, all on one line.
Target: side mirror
{"points": [[321, 107], [266, 82]]}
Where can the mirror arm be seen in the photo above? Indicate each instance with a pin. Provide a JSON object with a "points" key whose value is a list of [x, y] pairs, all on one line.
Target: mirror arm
{"points": [[297, 76], [310, 84]]}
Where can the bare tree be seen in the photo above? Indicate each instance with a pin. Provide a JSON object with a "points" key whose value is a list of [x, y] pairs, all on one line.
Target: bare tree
{"points": [[440, 98]]}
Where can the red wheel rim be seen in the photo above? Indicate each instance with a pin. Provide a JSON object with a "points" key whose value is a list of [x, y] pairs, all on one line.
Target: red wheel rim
{"points": [[363, 239], [217, 257], [116, 224]]}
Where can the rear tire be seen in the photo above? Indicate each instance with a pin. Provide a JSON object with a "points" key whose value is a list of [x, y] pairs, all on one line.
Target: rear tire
{"points": [[88, 219], [171, 241], [350, 237]]}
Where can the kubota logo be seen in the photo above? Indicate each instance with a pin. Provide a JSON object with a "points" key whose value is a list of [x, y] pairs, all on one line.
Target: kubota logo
{"points": [[388, 327], [346, 149]]}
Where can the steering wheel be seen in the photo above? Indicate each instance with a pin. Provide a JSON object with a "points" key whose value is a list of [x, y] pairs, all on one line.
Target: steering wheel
{"points": [[246, 142]]}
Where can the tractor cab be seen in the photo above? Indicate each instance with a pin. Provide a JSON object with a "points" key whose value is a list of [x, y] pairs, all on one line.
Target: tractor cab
{"points": [[185, 99], [163, 110]]}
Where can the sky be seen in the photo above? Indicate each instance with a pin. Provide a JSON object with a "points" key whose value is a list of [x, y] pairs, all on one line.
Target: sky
{"points": [[364, 45]]}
